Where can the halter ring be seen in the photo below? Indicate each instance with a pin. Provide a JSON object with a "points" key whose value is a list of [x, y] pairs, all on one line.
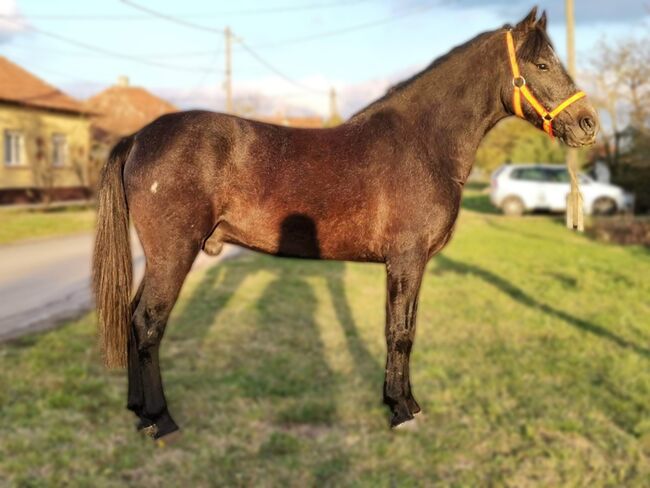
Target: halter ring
{"points": [[518, 81]]}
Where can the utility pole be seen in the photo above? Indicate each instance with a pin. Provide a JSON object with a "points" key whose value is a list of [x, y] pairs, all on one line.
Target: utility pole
{"points": [[334, 111], [570, 38], [574, 211], [227, 84]]}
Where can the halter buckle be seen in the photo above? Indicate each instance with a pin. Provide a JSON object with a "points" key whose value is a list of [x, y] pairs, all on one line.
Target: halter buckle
{"points": [[518, 81], [548, 117]]}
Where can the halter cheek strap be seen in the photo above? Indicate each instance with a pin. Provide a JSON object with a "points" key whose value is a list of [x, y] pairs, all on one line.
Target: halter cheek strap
{"points": [[520, 88]]}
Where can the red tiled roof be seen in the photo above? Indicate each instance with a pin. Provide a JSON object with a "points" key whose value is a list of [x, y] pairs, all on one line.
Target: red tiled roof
{"points": [[304, 122], [125, 109], [20, 86]]}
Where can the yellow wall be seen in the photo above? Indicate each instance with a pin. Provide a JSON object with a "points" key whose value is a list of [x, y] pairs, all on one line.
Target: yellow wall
{"points": [[35, 124]]}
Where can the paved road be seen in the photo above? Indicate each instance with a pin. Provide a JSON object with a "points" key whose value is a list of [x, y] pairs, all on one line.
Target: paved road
{"points": [[47, 281]]}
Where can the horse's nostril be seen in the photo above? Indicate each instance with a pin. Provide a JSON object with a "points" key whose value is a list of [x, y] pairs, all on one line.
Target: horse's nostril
{"points": [[588, 125]]}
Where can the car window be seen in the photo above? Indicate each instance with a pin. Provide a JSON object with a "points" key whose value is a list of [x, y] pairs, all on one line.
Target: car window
{"points": [[529, 174], [558, 175]]}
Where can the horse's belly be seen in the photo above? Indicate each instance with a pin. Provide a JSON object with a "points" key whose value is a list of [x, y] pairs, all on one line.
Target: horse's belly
{"points": [[297, 234]]}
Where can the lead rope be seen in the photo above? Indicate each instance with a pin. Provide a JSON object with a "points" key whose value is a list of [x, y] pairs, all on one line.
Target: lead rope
{"points": [[575, 218]]}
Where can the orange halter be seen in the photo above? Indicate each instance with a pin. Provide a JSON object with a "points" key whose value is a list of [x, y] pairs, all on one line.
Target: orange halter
{"points": [[520, 87]]}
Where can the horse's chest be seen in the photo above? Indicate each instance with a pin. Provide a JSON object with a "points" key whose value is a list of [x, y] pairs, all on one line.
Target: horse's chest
{"points": [[434, 217]]}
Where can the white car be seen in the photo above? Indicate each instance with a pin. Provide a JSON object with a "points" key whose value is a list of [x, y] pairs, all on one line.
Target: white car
{"points": [[517, 188]]}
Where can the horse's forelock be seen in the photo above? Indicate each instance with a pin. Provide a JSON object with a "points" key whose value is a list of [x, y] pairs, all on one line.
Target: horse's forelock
{"points": [[534, 43]]}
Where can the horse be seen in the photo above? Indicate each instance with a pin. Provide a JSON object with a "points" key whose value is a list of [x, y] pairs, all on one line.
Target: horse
{"points": [[385, 187]]}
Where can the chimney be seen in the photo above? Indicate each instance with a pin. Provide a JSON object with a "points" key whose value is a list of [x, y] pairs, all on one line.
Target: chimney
{"points": [[122, 80]]}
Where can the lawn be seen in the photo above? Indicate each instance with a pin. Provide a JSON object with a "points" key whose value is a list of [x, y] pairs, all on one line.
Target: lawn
{"points": [[531, 364], [18, 225]]}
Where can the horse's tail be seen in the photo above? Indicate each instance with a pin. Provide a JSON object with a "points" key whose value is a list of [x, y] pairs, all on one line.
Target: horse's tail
{"points": [[112, 265]]}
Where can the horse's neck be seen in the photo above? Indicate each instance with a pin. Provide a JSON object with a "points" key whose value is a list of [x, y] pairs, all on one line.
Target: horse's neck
{"points": [[450, 107]]}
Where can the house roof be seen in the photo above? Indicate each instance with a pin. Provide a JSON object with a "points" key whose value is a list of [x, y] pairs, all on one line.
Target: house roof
{"points": [[304, 122], [18, 85], [124, 109]]}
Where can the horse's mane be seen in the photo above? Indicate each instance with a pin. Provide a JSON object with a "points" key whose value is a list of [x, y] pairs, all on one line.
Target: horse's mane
{"points": [[535, 41]]}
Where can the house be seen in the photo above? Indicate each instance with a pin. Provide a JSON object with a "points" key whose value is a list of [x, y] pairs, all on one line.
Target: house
{"points": [[123, 109], [45, 139], [119, 111], [314, 122]]}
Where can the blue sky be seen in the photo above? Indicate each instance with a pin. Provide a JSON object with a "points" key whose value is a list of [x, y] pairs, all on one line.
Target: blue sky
{"points": [[360, 63]]}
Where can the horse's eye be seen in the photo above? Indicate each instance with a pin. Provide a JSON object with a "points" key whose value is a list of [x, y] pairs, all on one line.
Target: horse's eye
{"points": [[542, 66]]}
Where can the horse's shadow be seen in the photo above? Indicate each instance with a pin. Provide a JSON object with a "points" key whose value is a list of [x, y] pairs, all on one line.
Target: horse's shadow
{"points": [[282, 354], [446, 264]]}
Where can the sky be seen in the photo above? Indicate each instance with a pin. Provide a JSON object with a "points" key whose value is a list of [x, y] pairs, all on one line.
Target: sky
{"points": [[303, 47]]}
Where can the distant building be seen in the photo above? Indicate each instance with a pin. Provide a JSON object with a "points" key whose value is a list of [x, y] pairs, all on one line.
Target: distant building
{"points": [[123, 109], [314, 122], [119, 111], [45, 139]]}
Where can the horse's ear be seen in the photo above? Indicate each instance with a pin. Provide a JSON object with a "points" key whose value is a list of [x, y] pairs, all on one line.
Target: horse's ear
{"points": [[528, 22], [541, 23]]}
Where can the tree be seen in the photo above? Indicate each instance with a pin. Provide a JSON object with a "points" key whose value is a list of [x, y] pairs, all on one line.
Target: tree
{"points": [[620, 73], [517, 141]]}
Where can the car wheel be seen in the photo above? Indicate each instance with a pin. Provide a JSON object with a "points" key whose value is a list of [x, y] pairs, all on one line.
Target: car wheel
{"points": [[604, 206], [513, 206]]}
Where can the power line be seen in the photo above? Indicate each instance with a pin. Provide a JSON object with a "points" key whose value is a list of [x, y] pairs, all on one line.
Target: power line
{"points": [[318, 35], [275, 70], [247, 48], [270, 45], [293, 8], [313, 37], [106, 52], [178, 54], [255, 11], [172, 18], [346, 30]]}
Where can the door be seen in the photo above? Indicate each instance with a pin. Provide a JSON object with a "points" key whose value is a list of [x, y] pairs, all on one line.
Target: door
{"points": [[556, 188], [528, 183]]}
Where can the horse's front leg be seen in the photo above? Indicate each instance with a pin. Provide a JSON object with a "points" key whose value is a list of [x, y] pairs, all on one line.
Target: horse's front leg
{"points": [[404, 278]]}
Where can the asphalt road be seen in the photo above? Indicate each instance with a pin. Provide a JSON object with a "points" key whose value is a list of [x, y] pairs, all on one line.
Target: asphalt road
{"points": [[45, 282]]}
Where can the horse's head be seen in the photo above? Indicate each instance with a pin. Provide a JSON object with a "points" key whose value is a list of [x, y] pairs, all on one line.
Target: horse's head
{"points": [[542, 91]]}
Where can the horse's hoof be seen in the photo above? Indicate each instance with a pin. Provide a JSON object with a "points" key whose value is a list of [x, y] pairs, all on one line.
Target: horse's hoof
{"points": [[165, 426], [399, 417], [413, 405], [410, 425], [150, 430], [168, 439], [142, 424]]}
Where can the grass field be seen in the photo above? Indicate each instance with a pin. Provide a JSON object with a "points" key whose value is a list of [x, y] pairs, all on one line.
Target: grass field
{"points": [[531, 364], [18, 225]]}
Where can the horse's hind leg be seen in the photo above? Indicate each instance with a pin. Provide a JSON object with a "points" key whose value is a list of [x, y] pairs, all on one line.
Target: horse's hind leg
{"points": [[164, 275], [135, 398]]}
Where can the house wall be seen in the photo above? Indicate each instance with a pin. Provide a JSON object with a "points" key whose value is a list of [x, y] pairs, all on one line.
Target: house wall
{"points": [[37, 171]]}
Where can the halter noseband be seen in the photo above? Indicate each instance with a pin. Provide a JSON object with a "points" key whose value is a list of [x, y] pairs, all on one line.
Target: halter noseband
{"points": [[520, 87]]}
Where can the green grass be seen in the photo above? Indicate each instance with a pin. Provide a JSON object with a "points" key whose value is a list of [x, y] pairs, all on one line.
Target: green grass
{"points": [[531, 364], [18, 225]]}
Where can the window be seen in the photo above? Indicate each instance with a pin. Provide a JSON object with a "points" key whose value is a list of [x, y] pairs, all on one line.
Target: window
{"points": [[59, 150], [13, 147], [559, 175], [529, 174]]}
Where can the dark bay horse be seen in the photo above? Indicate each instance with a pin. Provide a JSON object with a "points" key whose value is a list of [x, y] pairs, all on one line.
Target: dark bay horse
{"points": [[383, 187]]}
